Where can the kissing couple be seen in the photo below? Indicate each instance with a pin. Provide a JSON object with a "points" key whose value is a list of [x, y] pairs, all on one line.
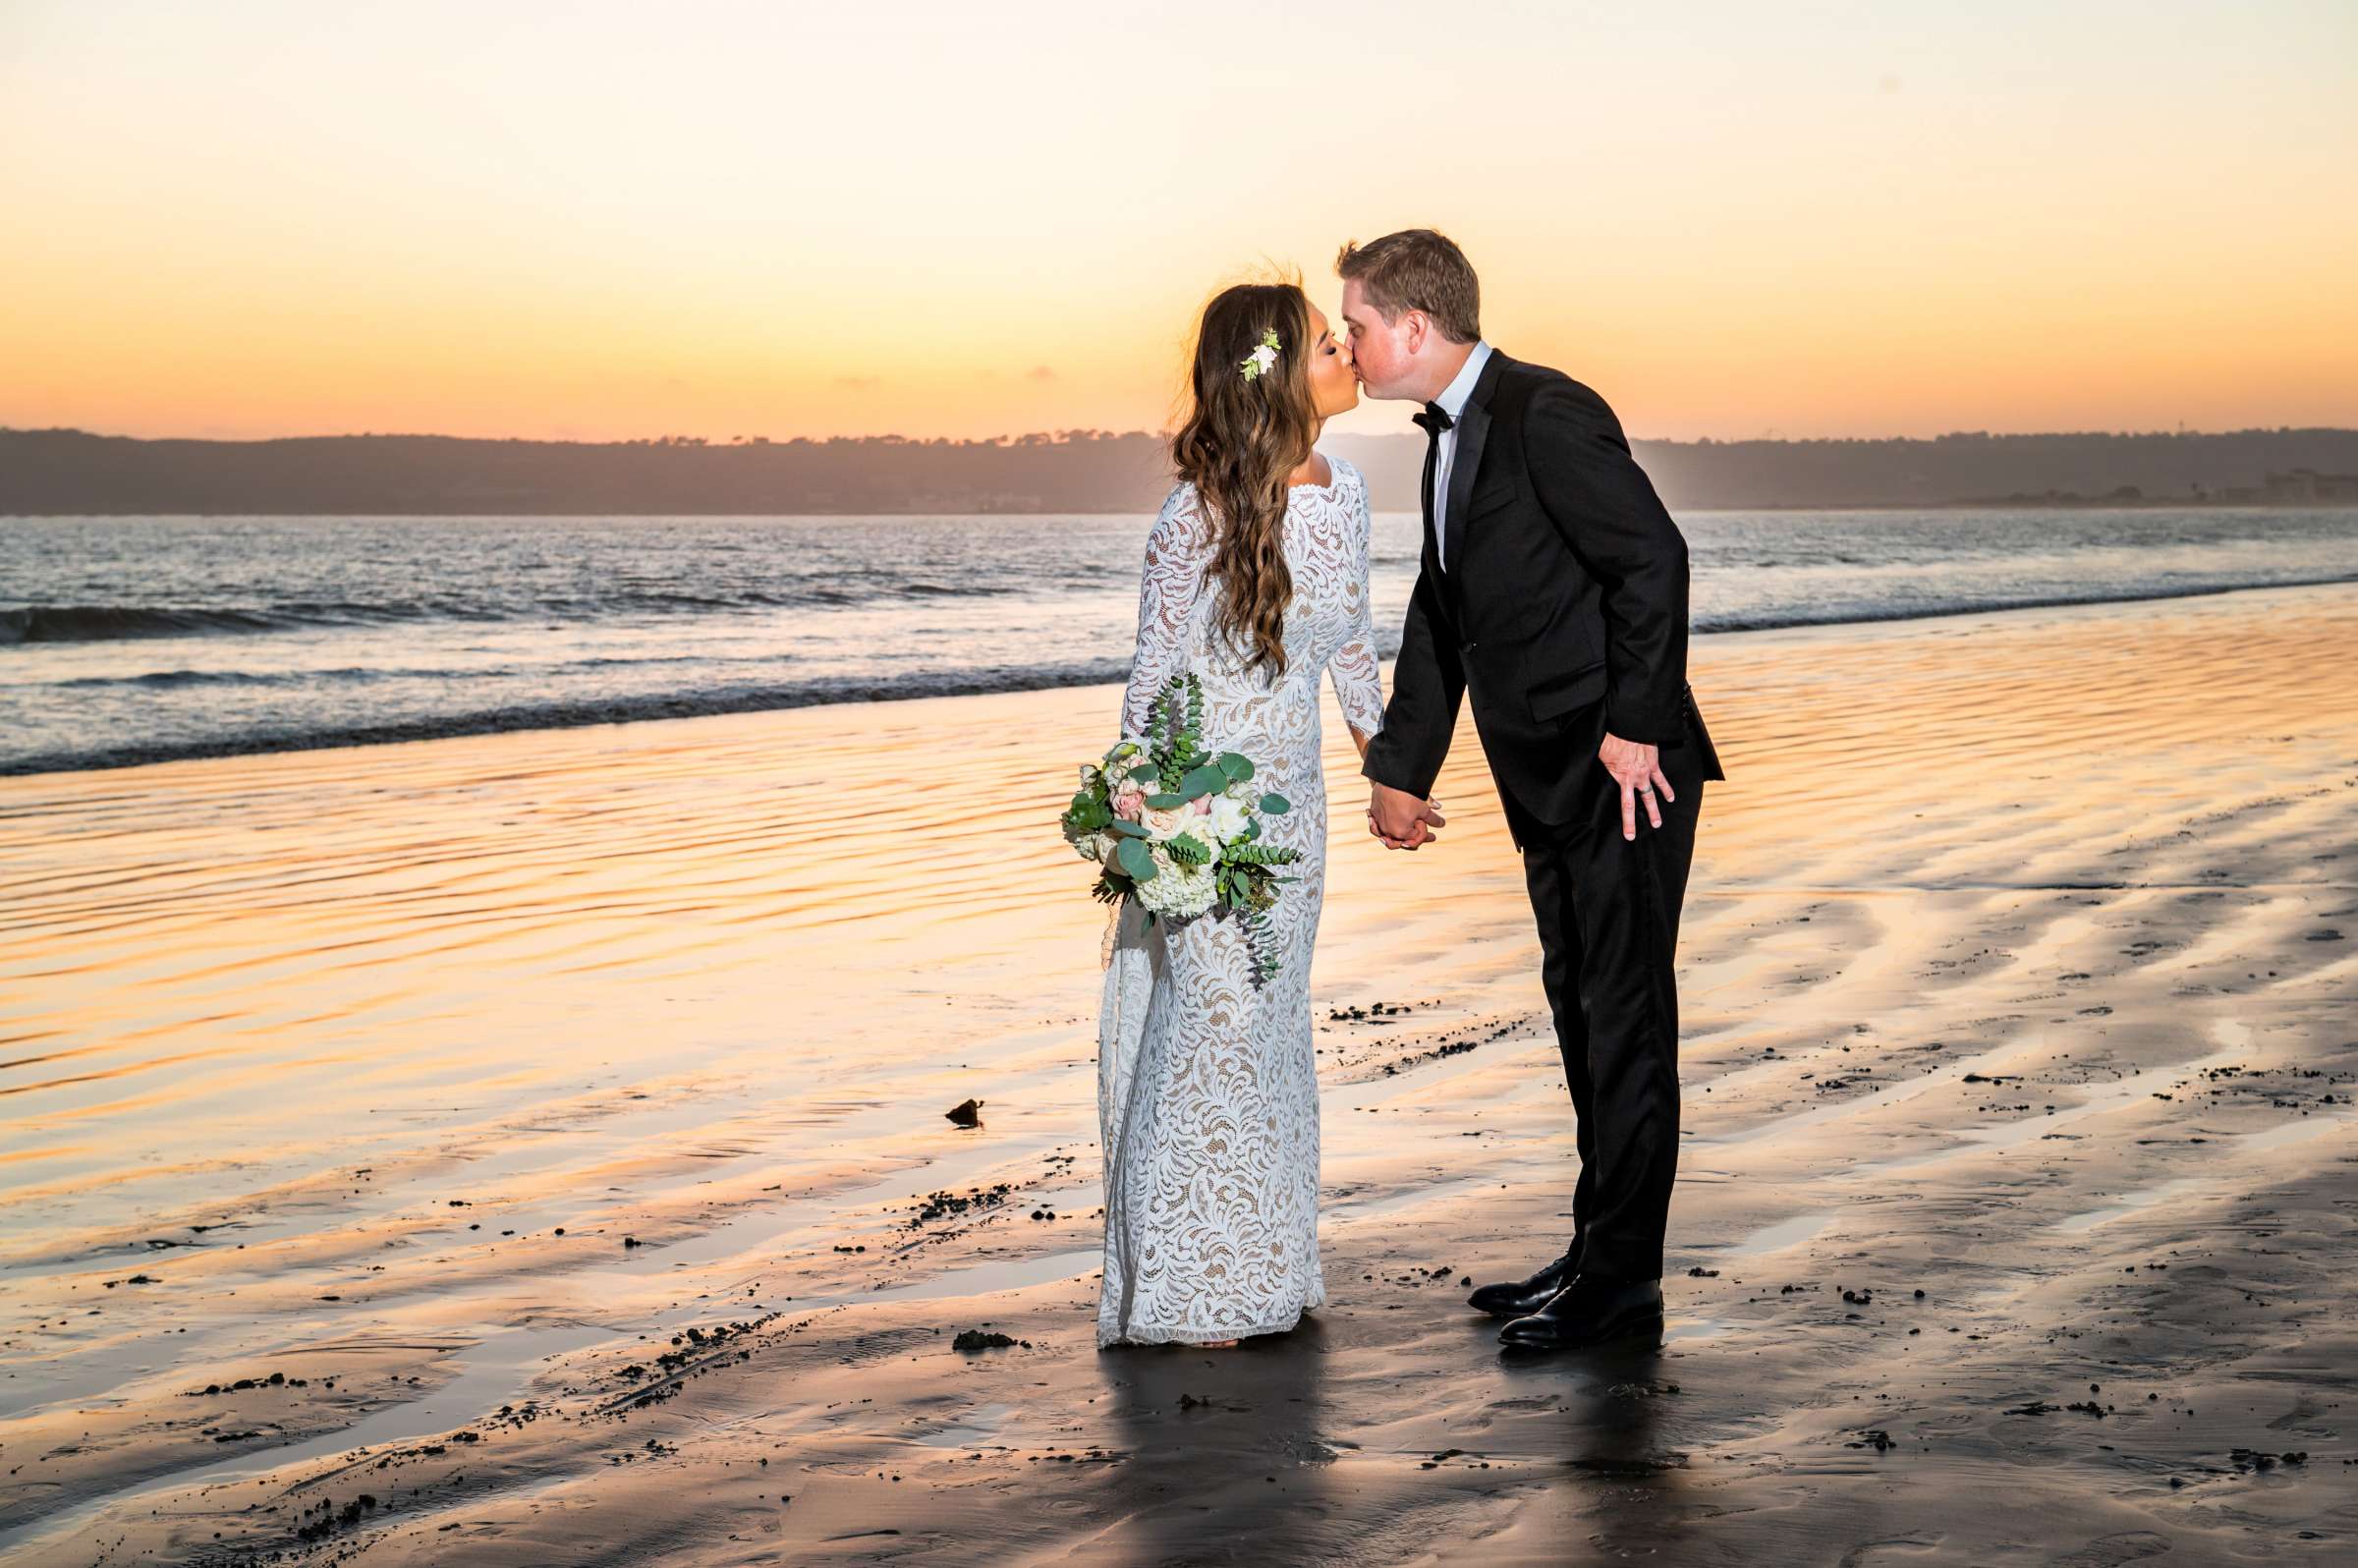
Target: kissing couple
{"points": [[1553, 600]]}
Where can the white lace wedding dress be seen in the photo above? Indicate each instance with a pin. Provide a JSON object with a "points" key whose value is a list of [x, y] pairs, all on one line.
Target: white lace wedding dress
{"points": [[1208, 1091]]}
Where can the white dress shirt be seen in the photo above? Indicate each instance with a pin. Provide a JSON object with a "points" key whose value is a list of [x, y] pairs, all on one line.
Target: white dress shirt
{"points": [[1453, 403]]}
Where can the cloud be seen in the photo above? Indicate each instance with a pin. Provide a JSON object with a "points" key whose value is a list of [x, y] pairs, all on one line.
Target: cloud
{"points": [[1040, 372]]}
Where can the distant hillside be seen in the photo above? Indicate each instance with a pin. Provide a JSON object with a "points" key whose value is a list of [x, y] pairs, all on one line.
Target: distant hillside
{"points": [[71, 472], [1942, 471]]}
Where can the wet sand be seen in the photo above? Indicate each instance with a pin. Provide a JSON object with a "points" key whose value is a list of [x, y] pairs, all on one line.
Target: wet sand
{"points": [[531, 1149]]}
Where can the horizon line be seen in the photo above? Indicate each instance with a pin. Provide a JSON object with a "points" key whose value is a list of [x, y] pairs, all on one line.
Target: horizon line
{"points": [[1068, 435]]}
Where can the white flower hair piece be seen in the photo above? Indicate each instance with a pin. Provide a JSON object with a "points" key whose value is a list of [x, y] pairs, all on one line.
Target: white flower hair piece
{"points": [[1262, 358]]}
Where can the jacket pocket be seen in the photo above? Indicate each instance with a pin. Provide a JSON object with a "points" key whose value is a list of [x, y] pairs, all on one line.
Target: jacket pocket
{"points": [[1553, 696]]}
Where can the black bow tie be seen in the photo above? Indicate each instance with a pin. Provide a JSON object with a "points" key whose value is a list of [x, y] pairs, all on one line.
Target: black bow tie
{"points": [[1435, 419]]}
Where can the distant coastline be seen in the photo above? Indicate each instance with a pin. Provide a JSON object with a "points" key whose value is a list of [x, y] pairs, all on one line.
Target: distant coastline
{"points": [[2299, 487], [74, 473]]}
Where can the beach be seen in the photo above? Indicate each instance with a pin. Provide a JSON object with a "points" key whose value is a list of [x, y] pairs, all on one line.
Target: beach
{"points": [[529, 1147]]}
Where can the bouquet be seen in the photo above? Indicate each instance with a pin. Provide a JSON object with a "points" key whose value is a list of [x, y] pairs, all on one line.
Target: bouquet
{"points": [[1178, 828]]}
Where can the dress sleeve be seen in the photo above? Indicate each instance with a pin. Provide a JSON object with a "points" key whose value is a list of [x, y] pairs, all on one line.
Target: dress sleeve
{"points": [[1358, 686], [1173, 578]]}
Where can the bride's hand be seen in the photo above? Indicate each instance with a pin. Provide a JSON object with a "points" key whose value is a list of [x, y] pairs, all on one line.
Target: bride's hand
{"points": [[1402, 820]]}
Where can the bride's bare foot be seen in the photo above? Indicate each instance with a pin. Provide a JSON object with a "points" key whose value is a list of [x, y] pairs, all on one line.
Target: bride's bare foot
{"points": [[1216, 1344]]}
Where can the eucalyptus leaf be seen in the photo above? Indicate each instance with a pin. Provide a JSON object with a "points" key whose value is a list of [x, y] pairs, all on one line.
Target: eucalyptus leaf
{"points": [[1203, 781], [1136, 858], [1127, 828], [1140, 773], [1238, 767], [1275, 804], [1166, 803]]}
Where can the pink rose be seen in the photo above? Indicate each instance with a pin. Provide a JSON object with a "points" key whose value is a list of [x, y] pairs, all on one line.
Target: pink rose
{"points": [[1200, 806], [1129, 801]]}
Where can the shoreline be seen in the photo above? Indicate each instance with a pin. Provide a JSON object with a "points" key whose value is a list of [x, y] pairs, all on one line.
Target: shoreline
{"points": [[2017, 972], [663, 709]]}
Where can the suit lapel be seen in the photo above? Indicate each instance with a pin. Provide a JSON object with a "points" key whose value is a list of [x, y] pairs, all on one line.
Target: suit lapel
{"points": [[1473, 429]]}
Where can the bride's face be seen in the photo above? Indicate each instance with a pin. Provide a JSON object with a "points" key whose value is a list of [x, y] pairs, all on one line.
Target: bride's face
{"points": [[1332, 386]]}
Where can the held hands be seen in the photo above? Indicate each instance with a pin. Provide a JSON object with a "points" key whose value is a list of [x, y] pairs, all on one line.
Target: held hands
{"points": [[1638, 768], [1402, 820]]}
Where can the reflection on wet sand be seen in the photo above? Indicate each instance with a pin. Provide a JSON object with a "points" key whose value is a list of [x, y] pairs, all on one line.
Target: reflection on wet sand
{"points": [[541, 1138]]}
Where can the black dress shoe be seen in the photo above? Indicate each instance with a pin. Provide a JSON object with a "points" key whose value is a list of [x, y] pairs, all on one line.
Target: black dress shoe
{"points": [[1590, 1312], [1515, 1297]]}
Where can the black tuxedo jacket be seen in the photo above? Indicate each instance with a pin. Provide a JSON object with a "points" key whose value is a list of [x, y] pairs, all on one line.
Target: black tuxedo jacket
{"points": [[1560, 608]]}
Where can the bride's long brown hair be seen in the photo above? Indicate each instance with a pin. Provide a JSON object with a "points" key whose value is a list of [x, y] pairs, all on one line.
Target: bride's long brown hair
{"points": [[1240, 440]]}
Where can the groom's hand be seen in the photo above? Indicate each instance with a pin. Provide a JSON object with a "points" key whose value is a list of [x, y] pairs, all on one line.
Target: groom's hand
{"points": [[1638, 768], [1400, 819]]}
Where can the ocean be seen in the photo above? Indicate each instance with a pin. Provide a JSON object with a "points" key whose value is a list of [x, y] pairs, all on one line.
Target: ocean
{"points": [[141, 639]]}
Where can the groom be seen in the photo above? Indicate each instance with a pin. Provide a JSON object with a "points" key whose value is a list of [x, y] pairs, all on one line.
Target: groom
{"points": [[1555, 596]]}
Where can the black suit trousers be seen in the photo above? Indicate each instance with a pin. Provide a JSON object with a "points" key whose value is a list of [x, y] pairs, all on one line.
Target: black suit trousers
{"points": [[1607, 912]]}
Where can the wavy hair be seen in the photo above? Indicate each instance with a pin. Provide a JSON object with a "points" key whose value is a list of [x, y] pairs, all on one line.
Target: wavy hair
{"points": [[1237, 444]]}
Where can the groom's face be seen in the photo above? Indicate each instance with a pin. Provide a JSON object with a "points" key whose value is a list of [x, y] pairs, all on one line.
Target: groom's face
{"points": [[1380, 353]]}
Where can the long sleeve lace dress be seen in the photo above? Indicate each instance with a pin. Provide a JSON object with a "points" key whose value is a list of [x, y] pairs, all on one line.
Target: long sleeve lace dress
{"points": [[1208, 1089]]}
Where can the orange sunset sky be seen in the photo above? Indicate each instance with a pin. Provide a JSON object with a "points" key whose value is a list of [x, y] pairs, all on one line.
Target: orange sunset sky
{"points": [[604, 220]]}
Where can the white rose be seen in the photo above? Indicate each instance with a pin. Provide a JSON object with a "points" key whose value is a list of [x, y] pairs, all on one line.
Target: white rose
{"points": [[1230, 816], [1164, 824]]}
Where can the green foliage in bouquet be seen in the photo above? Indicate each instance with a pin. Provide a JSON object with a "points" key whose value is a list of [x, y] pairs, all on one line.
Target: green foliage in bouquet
{"points": [[1136, 858], [1189, 850], [1168, 875]]}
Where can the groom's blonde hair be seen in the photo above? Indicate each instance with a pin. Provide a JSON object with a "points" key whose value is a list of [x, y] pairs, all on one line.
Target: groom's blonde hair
{"points": [[1418, 269]]}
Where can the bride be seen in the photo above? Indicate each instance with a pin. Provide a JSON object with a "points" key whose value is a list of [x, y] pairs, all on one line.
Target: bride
{"points": [[1256, 581]]}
